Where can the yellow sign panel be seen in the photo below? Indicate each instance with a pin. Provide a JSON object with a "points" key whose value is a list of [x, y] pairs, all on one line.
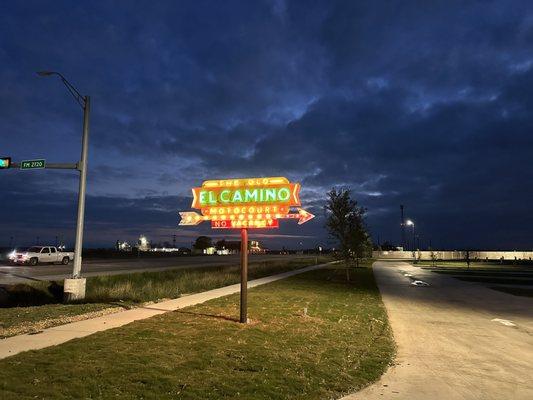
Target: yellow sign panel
{"points": [[245, 203]]}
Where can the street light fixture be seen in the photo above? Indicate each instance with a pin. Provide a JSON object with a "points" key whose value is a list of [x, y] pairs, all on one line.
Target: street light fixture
{"points": [[75, 288]]}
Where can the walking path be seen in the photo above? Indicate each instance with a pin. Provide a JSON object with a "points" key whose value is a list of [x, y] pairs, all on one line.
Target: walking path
{"points": [[456, 339], [61, 334]]}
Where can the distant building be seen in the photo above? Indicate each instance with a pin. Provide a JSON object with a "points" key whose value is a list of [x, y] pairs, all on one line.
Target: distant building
{"points": [[255, 247], [123, 246], [143, 243], [210, 250], [227, 247], [163, 249]]}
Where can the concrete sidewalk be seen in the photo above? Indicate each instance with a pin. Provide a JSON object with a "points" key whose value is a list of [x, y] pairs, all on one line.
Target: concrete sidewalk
{"points": [[61, 334], [456, 339]]}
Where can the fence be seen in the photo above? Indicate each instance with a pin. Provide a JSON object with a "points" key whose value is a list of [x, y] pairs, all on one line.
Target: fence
{"points": [[453, 255]]}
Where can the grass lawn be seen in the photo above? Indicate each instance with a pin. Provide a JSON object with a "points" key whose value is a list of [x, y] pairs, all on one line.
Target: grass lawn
{"points": [[342, 344], [153, 286], [18, 320], [35, 306]]}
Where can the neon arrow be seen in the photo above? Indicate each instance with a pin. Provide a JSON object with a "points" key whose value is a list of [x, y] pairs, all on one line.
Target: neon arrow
{"points": [[302, 216], [191, 218]]}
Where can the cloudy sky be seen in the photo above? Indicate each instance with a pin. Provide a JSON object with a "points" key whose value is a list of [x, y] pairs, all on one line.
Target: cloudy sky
{"points": [[422, 103]]}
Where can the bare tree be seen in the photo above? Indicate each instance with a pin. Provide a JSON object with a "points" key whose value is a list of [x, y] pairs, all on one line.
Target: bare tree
{"points": [[345, 223]]}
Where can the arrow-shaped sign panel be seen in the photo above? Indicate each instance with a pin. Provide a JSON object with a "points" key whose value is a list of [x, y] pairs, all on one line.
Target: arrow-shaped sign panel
{"points": [[191, 218], [302, 216]]}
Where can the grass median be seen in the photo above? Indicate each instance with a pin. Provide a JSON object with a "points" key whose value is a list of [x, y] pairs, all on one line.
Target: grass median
{"points": [[31, 307], [311, 336]]}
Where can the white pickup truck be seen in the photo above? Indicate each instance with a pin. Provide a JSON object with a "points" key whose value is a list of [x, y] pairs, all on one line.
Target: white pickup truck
{"points": [[41, 254]]}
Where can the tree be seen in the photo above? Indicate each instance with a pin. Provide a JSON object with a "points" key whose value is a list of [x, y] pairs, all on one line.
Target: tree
{"points": [[202, 243], [221, 244], [345, 223], [388, 246]]}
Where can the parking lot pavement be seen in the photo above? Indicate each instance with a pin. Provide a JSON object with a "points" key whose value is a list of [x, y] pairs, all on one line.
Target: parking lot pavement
{"points": [[456, 339], [516, 280]]}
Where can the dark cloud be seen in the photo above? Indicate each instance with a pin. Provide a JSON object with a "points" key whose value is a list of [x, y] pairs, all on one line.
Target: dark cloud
{"points": [[425, 104]]}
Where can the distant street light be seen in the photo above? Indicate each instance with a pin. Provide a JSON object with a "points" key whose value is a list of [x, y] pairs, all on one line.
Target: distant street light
{"points": [[411, 223], [85, 103]]}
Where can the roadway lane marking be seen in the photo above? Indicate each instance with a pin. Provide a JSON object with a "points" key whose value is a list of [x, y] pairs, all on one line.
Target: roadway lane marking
{"points": [[505, 322], [414, 281], [418, 282]]}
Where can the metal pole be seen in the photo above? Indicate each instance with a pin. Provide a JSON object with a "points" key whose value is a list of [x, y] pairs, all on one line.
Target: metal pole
{"points": [[414, 238], [244, 276], [402, 223], [82, 167]]}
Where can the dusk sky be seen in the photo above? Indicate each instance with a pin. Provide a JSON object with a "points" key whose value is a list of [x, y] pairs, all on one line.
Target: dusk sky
{"points": [[422, 103]]}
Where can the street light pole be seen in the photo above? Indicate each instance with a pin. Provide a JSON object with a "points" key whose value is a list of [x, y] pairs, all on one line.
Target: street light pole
{"points": [[82, 167], [74, 288], [411, 223]]}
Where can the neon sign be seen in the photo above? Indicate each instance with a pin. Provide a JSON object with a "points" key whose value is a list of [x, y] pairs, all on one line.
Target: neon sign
{"points": [[251, 203]]}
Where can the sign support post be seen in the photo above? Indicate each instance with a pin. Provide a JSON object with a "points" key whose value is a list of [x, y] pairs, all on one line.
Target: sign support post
{"points": [[244, 276]]}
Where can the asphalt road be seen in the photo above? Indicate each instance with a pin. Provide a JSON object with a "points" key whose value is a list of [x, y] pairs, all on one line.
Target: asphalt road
{"points": [[455, 339], [24, 273]]}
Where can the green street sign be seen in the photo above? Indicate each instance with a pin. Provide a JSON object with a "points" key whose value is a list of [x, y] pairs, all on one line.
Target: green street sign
{"points": [[32, 164]]}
